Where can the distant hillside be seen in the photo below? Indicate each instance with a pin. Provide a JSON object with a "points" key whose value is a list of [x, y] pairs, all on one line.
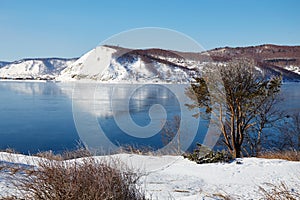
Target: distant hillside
{"points": [[272, 59], [38, 68], [118, 64]]}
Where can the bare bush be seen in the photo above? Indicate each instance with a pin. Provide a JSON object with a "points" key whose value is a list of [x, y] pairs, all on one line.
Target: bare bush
{"points": [[85, 179]]}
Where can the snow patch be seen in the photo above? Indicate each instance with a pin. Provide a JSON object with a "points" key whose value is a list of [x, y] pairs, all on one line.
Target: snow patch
{"points": [[293, 68]]}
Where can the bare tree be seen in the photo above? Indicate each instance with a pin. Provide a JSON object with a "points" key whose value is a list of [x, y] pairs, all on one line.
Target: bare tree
{"points": [[297, 128], [290, 132], [169, 132], [268, 117], [233, 95]]}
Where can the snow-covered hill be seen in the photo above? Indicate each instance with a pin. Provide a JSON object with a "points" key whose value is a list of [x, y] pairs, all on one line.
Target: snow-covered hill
{"points": [[38, 69], [114, 64], [89, 66], [173, 177], [117, 64]]}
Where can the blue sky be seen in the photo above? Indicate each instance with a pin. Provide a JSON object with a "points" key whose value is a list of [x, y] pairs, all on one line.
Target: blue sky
{"points": [[69, 28]]}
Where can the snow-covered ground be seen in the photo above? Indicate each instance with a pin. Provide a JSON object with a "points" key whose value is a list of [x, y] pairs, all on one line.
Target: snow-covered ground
{"points": [[173, 177]]}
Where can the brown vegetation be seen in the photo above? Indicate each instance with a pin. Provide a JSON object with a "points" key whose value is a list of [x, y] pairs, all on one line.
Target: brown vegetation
{"points": [[285, 155], [85, 179]]}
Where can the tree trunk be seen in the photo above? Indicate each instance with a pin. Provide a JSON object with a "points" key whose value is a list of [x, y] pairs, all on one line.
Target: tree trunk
{"points": [[298, 141], [237, 151]]}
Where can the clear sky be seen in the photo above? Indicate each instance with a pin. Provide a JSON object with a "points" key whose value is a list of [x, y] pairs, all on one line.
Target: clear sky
{"points": [[70, 28]]}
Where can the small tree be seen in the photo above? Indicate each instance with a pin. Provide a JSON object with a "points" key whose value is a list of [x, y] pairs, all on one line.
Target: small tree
{"points": [[233, 95]]}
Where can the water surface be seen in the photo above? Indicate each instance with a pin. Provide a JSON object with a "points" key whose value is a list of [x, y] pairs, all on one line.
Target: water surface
{"points": [[38, 116]]}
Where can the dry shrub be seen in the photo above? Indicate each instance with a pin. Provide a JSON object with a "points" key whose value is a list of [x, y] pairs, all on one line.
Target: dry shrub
{"points": [[84, 179], [280, 191], [285, 155]]}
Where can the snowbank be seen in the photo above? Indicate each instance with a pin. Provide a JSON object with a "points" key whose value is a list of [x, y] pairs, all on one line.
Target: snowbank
{"points": [[173, 177]]}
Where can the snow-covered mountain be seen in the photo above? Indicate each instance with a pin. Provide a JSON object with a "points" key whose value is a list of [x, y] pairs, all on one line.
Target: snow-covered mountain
{"points": [[89, 66], [38, 69], [115, 64]]}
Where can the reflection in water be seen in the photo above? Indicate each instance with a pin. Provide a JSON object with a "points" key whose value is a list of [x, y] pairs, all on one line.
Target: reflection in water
{"points": [[31, 88], [291, 97], [109, 115], [139, 117]]}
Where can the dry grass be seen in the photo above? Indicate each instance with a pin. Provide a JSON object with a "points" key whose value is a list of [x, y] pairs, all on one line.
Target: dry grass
{"points": [[9, 150], [276, 192], [285, 155], [85, 179], [221, 196], [67, 155], [268, 191], [147, 150], [49, 155], [131, 149]]}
